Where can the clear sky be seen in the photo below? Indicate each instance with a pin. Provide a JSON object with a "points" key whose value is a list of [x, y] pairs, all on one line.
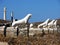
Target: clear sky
{"points": [[40, 9]]}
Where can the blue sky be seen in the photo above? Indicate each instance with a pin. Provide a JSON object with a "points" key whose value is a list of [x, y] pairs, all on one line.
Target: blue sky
{"points": [[40, 9]]}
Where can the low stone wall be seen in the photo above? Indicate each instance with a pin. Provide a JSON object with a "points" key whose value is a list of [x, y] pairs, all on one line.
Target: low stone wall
{"points": [[11, 31]]}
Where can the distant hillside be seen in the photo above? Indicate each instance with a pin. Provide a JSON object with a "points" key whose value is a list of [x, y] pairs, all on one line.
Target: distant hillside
{"points": [[35, 24], [3, 22], [58, 22]]}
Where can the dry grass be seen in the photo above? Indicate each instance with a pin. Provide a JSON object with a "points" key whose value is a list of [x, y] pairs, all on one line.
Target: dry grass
{"points": [[39, 39]]}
